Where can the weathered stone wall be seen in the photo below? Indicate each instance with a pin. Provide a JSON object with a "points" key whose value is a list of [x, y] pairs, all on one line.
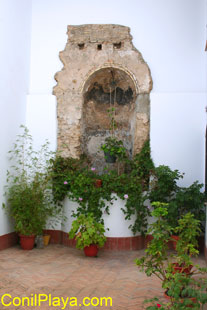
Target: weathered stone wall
{"points": [[90, 52]]}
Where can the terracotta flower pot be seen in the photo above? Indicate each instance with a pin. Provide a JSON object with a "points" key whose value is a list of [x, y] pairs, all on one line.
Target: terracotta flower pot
{"points": [[27, 242], [91, 250], [174, 242], [98, 183], [181, 269]]}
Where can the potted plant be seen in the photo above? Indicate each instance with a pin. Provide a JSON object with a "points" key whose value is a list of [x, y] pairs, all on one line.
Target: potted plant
{"points": [[113, 149], [184, 292], [181, 287], [24, 204], [188, 230], [154, 262], [88, 233], [157, 260], [28, 195]]}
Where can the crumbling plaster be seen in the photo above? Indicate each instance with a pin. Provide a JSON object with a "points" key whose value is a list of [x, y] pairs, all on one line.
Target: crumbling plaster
{"points": [[82, 58]]}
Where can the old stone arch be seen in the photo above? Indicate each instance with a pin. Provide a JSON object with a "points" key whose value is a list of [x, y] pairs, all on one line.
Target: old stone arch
{"points": [[107, 88], [101, 67]]}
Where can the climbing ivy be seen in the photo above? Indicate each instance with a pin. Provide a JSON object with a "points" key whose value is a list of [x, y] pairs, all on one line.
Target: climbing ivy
{"points": [[76, 179], [139, 181]]}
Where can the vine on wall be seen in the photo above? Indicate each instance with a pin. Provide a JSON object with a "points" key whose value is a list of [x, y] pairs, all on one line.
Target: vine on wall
{"points": [[76, 179]]}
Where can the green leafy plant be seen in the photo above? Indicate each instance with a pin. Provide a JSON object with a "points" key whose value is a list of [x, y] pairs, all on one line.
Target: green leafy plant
{"points": [[157, 250], [28, 190], [164, 183], [184, 292], [188, 230], [142, 166], [75, 178], [187, 199], [154, 262], [181, 200], [114, 147], [86, 231], [90, 199], [181, 286], [63, 170]]}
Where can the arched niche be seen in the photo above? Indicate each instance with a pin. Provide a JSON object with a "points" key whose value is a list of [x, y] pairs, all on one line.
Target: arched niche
{"points": [[107, 91]]}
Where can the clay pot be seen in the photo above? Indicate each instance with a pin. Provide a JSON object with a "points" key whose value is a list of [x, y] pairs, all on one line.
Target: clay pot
{"points": [[174, 242], [91, 250], [181, 269], [98, 183], [27, 242]]}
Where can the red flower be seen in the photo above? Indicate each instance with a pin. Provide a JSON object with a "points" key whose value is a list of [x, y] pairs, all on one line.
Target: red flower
{"points": [[159, 306]]}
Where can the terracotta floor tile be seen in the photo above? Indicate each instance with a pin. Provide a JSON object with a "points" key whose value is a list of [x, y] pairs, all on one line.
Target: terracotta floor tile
{"points": [[65, 272]]}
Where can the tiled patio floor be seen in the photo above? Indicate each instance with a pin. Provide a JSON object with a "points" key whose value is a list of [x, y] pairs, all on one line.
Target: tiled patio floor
{"points": [[65, 272]]}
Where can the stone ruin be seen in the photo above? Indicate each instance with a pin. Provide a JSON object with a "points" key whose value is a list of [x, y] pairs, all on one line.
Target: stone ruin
{"points": [[101, 69]]}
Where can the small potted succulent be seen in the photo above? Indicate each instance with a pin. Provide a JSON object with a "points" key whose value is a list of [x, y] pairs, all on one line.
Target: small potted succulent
{"points": [[88, 233]]}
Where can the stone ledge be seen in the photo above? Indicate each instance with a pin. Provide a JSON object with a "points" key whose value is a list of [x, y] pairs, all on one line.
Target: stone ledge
{"points": [[112, 243]]}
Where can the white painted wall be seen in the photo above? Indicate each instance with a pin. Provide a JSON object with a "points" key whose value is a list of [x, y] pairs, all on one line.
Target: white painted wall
{"points": [[178, 125], [15, 20], [41, 118], [115, 223], [170, 34]]}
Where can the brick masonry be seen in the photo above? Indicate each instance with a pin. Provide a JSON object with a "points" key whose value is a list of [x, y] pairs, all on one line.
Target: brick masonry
{"points": [[8, 240], [121, 243]]}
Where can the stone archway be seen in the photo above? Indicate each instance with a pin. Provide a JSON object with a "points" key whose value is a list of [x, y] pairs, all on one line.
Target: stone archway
{"points": [[105, 89], [92, 55]]}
